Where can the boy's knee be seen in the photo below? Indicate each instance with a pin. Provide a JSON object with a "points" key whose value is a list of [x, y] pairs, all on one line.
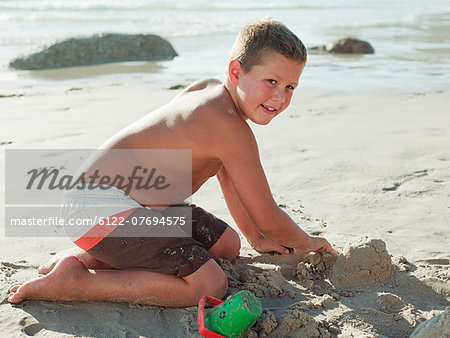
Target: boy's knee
{"points": [[214, 284], [228, 246], [235, 245], [219, 288]]}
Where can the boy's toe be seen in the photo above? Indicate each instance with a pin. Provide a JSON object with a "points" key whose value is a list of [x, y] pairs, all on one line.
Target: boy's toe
{"points": [[15, 298], [13, 288], [18, 293], [47, 267]]}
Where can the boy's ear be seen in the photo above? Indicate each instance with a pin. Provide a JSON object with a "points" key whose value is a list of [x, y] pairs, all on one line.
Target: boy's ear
{"points": [[234, 71]]}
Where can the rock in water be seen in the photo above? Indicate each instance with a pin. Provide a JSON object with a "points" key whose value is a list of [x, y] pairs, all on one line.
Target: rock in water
{"points": [[363, 262], [97, 49], [348, 46]]}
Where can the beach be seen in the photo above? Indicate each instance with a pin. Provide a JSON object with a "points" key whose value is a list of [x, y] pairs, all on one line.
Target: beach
{"points": [[342, 165], [361, 156]]}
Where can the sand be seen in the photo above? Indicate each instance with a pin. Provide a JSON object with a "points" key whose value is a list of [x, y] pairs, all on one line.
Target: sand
{"points": [[370, 171]]}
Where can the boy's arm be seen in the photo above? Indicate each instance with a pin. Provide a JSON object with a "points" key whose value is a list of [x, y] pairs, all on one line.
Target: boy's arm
{"points": [[239, 155], [249, 229]]}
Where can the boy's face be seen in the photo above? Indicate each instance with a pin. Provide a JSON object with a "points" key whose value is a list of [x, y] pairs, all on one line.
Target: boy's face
{"points": [[266, 90]]}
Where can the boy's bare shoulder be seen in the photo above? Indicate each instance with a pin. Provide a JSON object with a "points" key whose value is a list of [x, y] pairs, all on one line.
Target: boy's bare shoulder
{"points": [[202, 87], [209, 103], [228, 133], [218, 112], [202, 84], [205, 117], [211, 120]]}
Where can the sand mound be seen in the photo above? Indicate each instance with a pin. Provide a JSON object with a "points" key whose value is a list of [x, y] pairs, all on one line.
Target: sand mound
{"points": [[296, 324], [363, 262], [314, 266], [438, 326], [389, 302], [261, 282]]}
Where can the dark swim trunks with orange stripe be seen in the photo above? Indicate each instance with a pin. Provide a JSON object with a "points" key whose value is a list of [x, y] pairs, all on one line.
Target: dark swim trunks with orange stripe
{"points": [[178, 249], [180, 256]]}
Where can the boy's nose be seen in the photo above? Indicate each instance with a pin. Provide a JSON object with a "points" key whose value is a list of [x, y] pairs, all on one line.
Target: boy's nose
{"points": [[279, 95]]}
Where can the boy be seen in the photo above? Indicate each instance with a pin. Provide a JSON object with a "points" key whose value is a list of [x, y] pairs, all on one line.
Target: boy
{"points": [[209, 117]]}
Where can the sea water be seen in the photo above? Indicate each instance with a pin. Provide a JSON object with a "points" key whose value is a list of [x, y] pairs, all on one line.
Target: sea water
{"points": [[411, 39]]}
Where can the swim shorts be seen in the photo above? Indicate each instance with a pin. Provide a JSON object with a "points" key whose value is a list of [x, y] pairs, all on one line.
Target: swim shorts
{"points": [[179, 256]]}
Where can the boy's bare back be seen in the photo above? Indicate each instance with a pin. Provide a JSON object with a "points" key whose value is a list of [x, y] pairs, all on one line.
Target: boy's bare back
{"points": [[201, 118]]}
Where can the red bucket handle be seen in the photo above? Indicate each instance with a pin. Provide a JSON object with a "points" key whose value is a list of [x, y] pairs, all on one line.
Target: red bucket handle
{"points": [[207, 301]]}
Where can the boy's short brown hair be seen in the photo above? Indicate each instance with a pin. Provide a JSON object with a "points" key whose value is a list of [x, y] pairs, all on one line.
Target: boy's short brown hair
{"points": [[266, 35]]}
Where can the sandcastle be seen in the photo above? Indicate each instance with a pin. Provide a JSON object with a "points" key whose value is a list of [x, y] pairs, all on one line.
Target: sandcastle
{"points": [[363, 262]]}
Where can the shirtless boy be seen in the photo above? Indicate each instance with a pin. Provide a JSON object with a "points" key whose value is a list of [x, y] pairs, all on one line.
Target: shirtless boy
{"points": [[210, 118]]}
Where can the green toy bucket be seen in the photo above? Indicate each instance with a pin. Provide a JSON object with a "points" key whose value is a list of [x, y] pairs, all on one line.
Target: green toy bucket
{"points": [[231, 318]]}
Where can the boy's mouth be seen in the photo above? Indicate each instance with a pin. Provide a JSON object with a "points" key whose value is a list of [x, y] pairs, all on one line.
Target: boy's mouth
{"points": [[268, 110]]}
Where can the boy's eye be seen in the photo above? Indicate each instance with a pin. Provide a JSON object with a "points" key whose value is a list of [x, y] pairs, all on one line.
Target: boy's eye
{"points": [[274, 82], [290, 87]]}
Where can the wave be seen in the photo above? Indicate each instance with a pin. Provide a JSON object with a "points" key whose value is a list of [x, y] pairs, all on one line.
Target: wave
{"points": [[202, 5]]}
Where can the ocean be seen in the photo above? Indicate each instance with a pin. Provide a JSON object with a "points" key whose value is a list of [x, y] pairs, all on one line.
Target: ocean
{"points": [[411, 39]]}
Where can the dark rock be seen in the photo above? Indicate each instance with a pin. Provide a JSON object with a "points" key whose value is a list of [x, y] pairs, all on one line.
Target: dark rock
{"points": [[347, 46], [176, 87], [97, 49], [10, 95]]}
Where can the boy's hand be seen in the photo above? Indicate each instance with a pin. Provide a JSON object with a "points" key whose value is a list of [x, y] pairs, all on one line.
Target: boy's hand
{"points": [[316, 244], [263, 244]]}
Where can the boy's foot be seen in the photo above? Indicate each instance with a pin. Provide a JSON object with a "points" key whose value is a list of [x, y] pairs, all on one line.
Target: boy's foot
{"points": [[47, 267], [89, 261], [61, 284]]}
